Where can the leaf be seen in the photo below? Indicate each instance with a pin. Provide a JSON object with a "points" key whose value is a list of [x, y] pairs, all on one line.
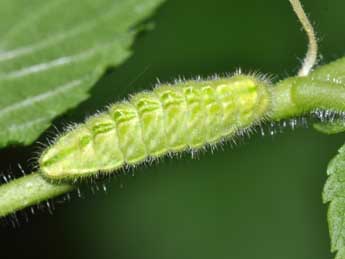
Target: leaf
{"points": [[334, 193], [51, 54], [333, 127]]}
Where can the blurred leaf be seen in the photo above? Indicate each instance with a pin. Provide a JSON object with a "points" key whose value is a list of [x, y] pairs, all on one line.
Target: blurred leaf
{"points": [[52, 52], [334, 127], [334, 193]]}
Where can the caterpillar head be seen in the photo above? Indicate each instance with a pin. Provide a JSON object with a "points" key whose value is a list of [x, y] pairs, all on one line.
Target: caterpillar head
{"points": [[68, 155], [86, 150]]}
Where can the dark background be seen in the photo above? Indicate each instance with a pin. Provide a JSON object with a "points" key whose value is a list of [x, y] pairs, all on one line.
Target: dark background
{"points": [[259, 199]]}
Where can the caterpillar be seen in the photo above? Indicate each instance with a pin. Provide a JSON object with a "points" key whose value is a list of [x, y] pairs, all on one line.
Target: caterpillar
{"points": [[171, 118]]}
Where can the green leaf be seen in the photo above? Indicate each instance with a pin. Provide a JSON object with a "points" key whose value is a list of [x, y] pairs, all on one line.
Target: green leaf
{"points": [[334, 193], [52, 53], [333, 127]]}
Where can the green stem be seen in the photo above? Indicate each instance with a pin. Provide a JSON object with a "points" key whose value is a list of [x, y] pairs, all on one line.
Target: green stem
{"points": [[299, 95], [291, 97], [28, 190]]}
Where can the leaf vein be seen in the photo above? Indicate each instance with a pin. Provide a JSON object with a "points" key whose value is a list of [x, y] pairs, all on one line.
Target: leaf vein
{"points": [[30, 101]]}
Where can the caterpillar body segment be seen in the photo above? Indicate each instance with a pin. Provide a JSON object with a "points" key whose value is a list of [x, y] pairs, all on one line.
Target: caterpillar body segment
{"points": [[171, 118]]}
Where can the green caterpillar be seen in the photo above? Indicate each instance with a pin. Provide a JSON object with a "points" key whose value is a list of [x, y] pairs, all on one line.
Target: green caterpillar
{"points": [[187, 116], [171, 118]]}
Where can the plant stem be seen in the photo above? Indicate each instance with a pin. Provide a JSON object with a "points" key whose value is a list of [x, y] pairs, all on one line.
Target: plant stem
{"points": [[28, 190], [311, 56], [299, 95]]}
